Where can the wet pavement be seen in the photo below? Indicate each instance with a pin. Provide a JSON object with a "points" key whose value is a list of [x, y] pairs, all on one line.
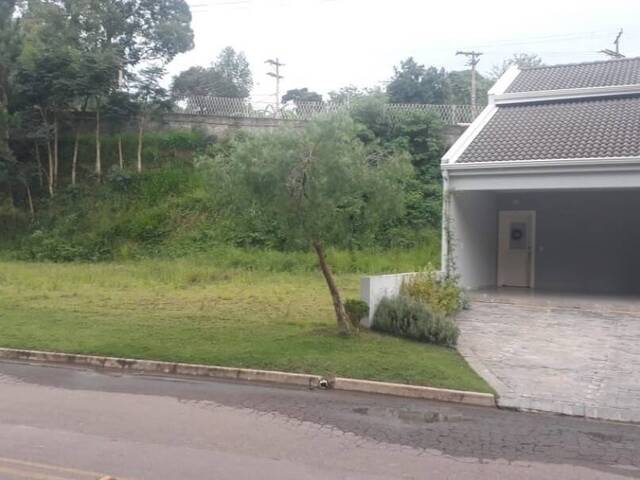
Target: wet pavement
{"points": [[69, 423]]}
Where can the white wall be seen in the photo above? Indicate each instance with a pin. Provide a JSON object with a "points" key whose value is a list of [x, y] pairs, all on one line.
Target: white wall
{"points": [[473, 221], [376, 287]]}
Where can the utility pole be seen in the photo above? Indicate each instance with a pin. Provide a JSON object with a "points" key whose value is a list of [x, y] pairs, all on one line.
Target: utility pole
{"points": [[614, 53], [474, 58], [617, 42], [276, 74]]}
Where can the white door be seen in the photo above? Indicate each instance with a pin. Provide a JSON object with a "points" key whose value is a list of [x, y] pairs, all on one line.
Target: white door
{"points": [[516, 248]]}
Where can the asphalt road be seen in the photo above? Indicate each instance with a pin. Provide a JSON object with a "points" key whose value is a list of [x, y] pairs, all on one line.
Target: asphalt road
{"points": [[61, 423]]}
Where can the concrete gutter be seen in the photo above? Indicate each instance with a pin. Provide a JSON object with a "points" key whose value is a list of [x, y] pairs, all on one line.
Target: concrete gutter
{"points": [[251, 375]]}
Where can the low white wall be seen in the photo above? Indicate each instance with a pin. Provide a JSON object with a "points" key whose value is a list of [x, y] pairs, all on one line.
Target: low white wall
{"points": [[376, 287]]}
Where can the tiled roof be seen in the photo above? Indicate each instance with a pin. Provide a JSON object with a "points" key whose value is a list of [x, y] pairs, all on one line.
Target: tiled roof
{"points": [[624, 71], [587, 128]]}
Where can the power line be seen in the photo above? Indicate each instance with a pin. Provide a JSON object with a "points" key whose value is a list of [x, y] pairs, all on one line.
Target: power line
{"points": [[565, 37]]}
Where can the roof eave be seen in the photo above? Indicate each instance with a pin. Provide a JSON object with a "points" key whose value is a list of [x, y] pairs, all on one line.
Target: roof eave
{"points": [[509, 166], [566, 94]]}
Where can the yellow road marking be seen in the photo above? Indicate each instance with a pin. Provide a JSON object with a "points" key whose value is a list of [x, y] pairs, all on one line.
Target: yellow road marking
{"points": [[30, 475], [54, 468]]}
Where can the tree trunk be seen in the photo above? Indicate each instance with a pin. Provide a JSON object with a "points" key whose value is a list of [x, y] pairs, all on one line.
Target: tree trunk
{"points": [[50, 176], [50, 173], [4, 112], [140, 139], [120, 154], [74, 161], [98, 157], [32, 210], [55, 149], [344, 328], [39, 162]]}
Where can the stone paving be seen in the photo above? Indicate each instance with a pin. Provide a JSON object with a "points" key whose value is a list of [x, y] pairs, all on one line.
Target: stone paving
{"points": [[572, 358]]}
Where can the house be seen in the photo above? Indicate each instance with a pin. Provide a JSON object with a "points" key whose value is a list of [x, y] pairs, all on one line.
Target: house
{"points": [[543, 189]]}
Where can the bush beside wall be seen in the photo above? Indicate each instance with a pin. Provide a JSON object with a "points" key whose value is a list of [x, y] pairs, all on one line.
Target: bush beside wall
{"points": [[405, 317], [443, 296]]}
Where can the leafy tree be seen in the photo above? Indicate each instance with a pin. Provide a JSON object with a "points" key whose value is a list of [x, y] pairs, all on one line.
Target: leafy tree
{"points": [[301, 95], [460, 87], [414, 132], [348, 94], [138, 30], [413, 83], [522, 60], [320, 185], [229, 76], [232, 68], [47, 68], [131, 32], [194, 82], [9, 49]]}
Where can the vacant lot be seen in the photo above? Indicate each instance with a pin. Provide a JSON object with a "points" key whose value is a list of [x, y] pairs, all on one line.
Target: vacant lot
{"points": [[193, 311]]}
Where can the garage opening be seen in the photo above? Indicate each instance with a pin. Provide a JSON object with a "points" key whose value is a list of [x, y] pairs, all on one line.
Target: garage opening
{"points": [[585, 240]]}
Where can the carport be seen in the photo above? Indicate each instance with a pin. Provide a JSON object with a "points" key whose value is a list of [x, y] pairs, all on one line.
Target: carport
{"points": [[554, 240]]}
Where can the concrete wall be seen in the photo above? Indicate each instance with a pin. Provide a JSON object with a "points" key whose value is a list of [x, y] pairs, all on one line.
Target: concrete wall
{"points": [[474, 237], [220, 126], [214, 125], [585, 240]]}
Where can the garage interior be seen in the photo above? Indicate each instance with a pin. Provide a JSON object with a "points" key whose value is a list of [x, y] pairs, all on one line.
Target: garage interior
{"points": [[585, 240]]}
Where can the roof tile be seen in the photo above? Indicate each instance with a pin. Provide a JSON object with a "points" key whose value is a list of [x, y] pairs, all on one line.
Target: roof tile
{"points": [[625, 71], [589, 128]]}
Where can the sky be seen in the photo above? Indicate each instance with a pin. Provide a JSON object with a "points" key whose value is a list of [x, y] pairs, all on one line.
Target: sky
{"points": [[329, 44]]}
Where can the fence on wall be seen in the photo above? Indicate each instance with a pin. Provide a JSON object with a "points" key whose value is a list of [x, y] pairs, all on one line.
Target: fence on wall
{"points": [[244, 108]]}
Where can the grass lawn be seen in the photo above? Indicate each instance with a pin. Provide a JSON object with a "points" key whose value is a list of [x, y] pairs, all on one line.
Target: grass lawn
{"points": [[192, 311]]}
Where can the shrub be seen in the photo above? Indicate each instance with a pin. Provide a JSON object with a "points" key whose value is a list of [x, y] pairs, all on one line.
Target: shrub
{"points": [[406, 317], [356, 311], [443, 296]]}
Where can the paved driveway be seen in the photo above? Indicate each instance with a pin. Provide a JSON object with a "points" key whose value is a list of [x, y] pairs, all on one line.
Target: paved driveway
{"points": [[576, 358]]}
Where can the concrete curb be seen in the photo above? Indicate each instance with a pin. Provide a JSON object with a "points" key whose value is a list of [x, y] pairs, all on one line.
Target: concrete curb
{"points": [[416, 391], [251, 375]]}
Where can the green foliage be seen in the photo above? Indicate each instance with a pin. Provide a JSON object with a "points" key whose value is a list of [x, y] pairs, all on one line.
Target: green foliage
{"points": [[169, 211], [10, 42], [460, 87], [71, 56], [521, 60], [316, 185], [350, 93], [301, 95], [443, 296], [415, 83], [229, 76], [404, 317], [420, 135], [356, 311], [12, 220]]}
